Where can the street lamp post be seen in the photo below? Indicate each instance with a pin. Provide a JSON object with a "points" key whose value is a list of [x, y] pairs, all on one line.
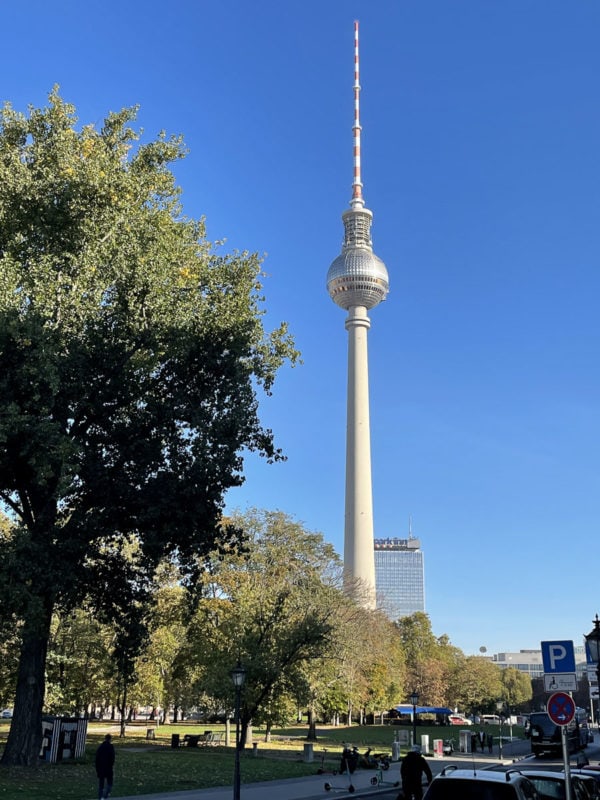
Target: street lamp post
{"points": [[238, 676], [414, 699], [593, 643]]}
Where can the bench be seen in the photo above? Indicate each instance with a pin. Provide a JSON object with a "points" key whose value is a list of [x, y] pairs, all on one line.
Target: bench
{"points": [[191, 740], [202, 739]]}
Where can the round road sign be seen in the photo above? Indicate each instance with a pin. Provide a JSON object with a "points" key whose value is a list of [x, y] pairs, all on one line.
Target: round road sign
{"points": [[561, 708]]}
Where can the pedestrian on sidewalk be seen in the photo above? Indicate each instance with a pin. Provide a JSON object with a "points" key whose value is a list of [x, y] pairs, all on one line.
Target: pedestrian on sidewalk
{"points": [[105, 762], [412, 769]]}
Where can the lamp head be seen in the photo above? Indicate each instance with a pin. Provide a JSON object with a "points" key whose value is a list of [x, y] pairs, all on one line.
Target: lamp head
{"points": [[593, 641], [238, 675], [414, 698]]}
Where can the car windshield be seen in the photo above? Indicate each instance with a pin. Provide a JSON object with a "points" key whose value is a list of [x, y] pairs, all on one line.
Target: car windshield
{"points": [[548, 789], [544, 722]]}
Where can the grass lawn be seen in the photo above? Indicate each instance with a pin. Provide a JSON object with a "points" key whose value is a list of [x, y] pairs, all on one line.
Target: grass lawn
{"points": [[145, 766]]}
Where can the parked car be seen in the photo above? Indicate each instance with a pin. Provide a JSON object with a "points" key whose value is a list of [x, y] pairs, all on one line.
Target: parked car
{"points": [[551, 785], [470, 784], [459, 719], [587, 772], [7, 713]]}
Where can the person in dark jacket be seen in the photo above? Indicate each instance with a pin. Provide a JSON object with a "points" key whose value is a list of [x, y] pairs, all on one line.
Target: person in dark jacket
{"points": [[105, 762], [412, 769]]}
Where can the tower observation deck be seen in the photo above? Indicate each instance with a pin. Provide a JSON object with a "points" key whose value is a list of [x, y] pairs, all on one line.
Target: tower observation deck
{"points": [[357, 281]]}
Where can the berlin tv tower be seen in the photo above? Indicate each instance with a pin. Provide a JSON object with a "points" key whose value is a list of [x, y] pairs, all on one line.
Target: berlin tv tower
{"points": [[356, 281]]}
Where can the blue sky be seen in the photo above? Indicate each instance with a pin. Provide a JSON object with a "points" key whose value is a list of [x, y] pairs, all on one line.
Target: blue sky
{"points": [[481, 124]]}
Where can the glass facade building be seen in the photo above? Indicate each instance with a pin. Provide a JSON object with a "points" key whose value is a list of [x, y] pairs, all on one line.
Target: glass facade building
{"points": [[399, 576]]}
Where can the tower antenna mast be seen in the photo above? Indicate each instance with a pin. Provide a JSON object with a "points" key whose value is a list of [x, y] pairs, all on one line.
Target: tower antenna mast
{"points": [[357, 198]]}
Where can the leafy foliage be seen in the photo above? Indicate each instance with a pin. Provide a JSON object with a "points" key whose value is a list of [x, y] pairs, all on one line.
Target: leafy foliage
{"points": [[131, 351], [273, 605]]}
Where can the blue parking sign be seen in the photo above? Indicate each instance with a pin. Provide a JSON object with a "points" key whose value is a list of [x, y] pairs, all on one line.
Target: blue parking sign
{"points": [[558, 657]]}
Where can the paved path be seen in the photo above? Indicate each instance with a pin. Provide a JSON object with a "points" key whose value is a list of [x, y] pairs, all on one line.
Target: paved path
{"points": [[313, 786]]}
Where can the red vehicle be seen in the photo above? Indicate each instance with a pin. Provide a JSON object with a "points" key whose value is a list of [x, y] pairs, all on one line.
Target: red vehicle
{"points": [[459, 719]]}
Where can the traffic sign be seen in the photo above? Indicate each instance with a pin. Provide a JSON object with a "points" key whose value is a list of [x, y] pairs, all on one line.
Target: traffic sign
{"points": [[560, 682], [558, 657], [561, 708]]}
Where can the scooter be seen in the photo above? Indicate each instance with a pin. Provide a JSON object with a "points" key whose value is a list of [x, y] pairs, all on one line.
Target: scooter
{"points": [[448, 747], [348, 764]]}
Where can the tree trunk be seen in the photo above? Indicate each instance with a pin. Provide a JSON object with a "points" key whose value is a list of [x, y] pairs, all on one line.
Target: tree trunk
{"points": [[122, 729], [25, 736], [312, 725]]}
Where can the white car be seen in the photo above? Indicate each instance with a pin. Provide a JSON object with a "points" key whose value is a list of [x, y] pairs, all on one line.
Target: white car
{"points": [[552, 784], [470, 784], [6, 714]]}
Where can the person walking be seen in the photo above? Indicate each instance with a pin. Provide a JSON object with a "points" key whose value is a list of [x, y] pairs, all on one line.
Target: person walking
{"points": [[412, 769], [105, 762]]}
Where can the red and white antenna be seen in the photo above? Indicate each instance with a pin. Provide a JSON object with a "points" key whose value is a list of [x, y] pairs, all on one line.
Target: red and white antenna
{"points": [[357, 198]]}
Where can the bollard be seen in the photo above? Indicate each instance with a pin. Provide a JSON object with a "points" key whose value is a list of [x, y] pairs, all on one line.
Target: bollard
{"points": [[309, 755], [395, 751], [255, 749]]}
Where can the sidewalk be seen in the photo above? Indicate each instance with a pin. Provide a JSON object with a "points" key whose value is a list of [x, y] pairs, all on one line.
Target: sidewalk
{"points": [[307, 788], [312, 787]]}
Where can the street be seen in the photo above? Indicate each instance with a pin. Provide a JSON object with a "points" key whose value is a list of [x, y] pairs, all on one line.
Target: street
{"points": [[514, 755]]}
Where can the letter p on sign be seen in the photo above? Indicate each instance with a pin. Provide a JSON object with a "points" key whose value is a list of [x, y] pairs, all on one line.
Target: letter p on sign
{"points": [[557, 653]]}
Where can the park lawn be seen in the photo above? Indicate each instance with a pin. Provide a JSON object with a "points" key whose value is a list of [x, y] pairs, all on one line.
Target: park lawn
{"points": [[144, 767]]}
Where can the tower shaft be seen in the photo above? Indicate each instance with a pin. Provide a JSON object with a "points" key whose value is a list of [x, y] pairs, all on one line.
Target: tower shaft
{"points": [[359, 558]]}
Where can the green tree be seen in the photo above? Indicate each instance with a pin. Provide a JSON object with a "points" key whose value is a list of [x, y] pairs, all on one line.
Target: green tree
{"points": [[274, 604], [131, 353], [421, 650], [78, 666], [516, 687], [476, 684]]}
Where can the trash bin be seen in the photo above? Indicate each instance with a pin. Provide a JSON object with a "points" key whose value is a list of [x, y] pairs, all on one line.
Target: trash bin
{"points": [[438, 748], [395, 751], [174, 741], [425, 744], [309, 755]]}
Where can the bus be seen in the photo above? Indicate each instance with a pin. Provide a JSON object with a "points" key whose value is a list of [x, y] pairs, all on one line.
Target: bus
{"points": [[545, 735]]}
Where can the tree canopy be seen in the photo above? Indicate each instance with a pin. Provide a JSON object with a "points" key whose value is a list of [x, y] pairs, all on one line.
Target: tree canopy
{"points": [[131, 353]]}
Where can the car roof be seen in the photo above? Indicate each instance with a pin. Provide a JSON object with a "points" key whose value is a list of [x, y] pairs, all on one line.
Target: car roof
{"points": [[480, 774], [543, 773]]}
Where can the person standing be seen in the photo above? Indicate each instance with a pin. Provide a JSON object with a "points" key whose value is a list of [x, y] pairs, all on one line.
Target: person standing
{"points": [[412, 769], [482, 739], [105, 762]]}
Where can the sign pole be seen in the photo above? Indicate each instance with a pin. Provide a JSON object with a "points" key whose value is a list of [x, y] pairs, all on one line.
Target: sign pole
{"points": [[561, 710], [566, 764]]}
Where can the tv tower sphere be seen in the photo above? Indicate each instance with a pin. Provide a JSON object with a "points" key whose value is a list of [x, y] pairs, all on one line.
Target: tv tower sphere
{"points": [[357, 277]]}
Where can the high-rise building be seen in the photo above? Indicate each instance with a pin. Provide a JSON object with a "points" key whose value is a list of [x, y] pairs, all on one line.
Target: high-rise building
{"points": [[357, 280], [399, 576]]}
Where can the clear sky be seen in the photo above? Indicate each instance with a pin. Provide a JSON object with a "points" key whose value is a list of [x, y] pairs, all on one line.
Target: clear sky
{"points": [[481, 132]]}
